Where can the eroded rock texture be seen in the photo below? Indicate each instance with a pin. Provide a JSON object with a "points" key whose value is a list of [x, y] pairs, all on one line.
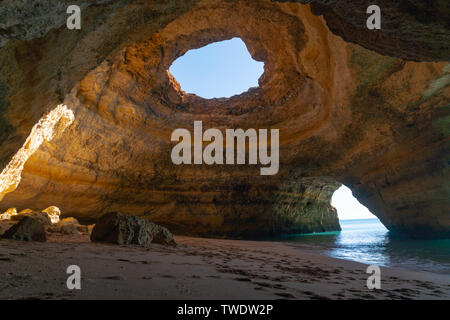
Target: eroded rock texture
{"points": [[411, 29], [302, 205], [28, 229], [118, 228], [346, 114]]}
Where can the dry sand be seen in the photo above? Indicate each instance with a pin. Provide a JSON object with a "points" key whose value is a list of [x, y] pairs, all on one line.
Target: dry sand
{"points": [[197, 269]]}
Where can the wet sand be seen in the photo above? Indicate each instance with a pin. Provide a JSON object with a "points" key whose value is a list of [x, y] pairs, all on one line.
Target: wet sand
{"points": [[197, 269]]}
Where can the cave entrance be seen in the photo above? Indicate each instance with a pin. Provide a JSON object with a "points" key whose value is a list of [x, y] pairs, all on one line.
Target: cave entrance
{"points": [[348, 207], [359, 225], [363, 238], [218, 70]]}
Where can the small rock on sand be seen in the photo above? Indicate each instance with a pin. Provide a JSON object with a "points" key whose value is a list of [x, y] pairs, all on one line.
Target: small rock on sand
{"points": [[27, 229], [38, 215], [119, 228], [68, 226]]}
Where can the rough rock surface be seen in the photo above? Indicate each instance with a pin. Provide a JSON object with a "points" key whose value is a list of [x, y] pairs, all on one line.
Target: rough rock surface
{"points": [[27, 229], [25, 19], [115, 227], [68, 226], [303, 206], [8, 214], [377, 123], [41, 216], [411, 29], [53, 213]]}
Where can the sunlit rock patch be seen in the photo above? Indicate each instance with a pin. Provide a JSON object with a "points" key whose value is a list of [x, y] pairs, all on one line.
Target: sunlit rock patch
{"points": [[51, 124], [53, 213], [27, 224], [8, 214]]}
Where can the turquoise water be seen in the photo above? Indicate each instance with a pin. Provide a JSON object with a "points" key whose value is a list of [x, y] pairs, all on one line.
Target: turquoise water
{"points": [[368, 241]]}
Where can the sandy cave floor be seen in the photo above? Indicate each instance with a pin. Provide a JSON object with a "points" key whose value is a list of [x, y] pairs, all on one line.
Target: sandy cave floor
{"points": [[197, 269]]}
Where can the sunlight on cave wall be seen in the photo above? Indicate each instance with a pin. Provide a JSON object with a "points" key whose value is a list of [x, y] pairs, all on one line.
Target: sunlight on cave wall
{"points": [[51, 124]]}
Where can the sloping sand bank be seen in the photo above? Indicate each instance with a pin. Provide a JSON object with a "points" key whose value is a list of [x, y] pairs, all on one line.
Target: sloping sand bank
{"points": [[197, 269]]}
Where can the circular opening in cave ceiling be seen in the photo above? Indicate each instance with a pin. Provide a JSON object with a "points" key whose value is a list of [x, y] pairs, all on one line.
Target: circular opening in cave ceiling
{"points": [[218, 70], [283, 81]]}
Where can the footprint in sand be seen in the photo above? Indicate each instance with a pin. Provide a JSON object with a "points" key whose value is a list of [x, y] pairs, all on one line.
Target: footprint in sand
{"points": [[285, 295], [6, 259], [168, 276], [113, 278], [243, 279]]}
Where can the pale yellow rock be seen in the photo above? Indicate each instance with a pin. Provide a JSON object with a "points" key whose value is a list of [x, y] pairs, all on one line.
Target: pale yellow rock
{"points": [[45, 130], [8, 214], [53, 213]]}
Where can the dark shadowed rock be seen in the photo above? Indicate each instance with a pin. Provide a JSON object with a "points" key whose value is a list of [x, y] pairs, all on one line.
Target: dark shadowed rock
{"points": [[68, 226], [119, 228], [161, 235], [41, 216], [83, 229], [302, 205], [411, 29], [27, 229], [5, 225]]}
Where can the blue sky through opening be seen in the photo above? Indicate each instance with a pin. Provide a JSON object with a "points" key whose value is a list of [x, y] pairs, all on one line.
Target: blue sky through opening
{"points": [[218, 70], [348, 207]]}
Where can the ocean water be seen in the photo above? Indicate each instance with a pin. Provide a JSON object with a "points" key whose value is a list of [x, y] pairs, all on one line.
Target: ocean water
{"points": [[368, 241]]}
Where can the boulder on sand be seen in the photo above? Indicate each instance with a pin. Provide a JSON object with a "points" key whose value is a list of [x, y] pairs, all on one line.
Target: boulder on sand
{"points": [[68, 226], [27, 229], [38, 215], [118, 228]]}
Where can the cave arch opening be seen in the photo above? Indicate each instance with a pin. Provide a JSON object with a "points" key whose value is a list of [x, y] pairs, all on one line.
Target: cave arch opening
{"points": [[348, 207], [358, 224], [218, 70]]}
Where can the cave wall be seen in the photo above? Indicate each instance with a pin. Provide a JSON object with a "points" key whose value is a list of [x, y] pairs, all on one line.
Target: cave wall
{"points": [[411, 29], [303, 205], [346, 114]]}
